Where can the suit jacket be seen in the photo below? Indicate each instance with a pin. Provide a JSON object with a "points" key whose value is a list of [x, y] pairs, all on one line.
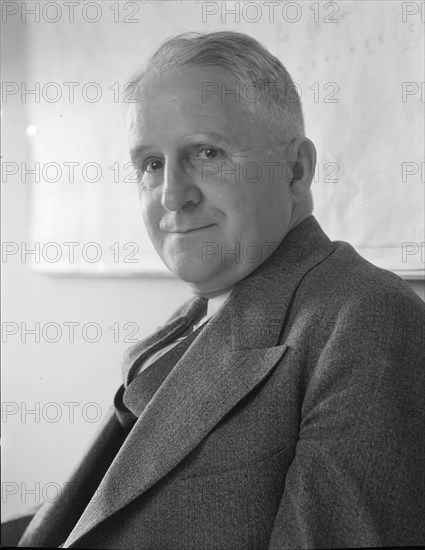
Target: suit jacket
{"points": [[294, 420]]}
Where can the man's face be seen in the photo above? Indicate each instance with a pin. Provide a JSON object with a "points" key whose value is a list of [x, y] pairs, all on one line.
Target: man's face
{"points": [[215, 198]]}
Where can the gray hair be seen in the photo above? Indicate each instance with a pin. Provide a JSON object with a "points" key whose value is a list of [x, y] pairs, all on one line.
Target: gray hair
{"points": [[277, 106]]}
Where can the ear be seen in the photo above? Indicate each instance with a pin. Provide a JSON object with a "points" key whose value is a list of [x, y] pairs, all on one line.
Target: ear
{"points": [[302, 155]]}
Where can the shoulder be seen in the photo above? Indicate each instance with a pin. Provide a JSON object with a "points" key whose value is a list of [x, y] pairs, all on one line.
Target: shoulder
{"points": [[346, 281], [359, 331], [346, 302]]}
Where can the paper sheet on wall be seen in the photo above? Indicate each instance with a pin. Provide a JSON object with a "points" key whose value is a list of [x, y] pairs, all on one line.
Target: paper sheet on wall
{"points": [[369, 182]]}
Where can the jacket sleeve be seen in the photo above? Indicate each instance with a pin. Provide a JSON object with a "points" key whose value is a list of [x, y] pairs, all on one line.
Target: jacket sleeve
{"points": [[357, 478], [12, 530]]}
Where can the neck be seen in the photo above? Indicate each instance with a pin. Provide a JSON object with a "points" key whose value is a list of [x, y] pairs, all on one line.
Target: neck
{"points": [[301, 212], [211, 294]]}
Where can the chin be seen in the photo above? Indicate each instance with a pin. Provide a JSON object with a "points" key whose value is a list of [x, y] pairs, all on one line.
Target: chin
{"points": [[194, 271]]}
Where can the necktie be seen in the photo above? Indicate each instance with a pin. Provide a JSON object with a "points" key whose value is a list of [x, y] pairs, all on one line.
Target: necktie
{"points": [[132, 398], [193, 312]]}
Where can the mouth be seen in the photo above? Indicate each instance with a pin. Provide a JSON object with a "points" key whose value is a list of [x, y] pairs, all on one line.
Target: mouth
{"points": [[185, 231]]}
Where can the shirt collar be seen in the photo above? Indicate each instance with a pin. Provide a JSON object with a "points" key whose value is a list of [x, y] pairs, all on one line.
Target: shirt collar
{"points": [[214, 304]]}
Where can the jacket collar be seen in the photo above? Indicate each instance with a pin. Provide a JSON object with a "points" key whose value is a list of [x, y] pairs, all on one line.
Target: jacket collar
{"points": [[268, 291]]}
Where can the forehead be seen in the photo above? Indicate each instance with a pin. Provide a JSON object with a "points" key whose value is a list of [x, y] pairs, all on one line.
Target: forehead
{"points": [[193, 100]]}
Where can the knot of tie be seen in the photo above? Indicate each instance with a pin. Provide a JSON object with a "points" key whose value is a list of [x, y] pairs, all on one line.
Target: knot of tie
{"points": [[196, 309]]}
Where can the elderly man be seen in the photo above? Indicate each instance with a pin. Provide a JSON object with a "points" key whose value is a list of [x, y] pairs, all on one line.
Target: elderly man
{"points": [[282, 407]]}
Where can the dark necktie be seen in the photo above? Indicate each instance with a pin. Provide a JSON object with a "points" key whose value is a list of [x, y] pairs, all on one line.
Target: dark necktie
{"points": [[132, 397]]}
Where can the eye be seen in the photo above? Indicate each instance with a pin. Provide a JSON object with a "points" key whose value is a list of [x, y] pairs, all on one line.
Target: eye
{"points": [[152, 165], [207, 153]]}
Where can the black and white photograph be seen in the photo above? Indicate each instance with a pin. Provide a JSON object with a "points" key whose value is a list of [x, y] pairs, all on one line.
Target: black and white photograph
{"points": [[213, 274]]}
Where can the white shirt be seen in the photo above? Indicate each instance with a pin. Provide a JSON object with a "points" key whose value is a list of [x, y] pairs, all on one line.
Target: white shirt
{"points": [[214, 304]]}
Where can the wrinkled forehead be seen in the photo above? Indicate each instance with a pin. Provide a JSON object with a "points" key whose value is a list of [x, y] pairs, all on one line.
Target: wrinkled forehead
{"points": [[192, 101], [202, 87]]}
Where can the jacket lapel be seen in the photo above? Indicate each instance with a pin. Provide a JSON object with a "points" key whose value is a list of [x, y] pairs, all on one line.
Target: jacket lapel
{"points": [[204, 385], [236, 350]]}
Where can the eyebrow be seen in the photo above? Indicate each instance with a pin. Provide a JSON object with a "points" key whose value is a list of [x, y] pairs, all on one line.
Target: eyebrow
{"points": [[208, 136], [136, 152], [201, 138]]}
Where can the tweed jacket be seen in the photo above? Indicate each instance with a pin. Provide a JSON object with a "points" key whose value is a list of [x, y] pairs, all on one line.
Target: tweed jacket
{"points": [[294, 420]]}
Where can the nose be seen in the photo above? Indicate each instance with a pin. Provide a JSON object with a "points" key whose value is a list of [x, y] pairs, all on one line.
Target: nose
{"points": [[179, 188]]}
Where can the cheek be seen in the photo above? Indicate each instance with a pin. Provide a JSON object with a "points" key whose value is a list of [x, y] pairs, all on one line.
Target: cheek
{"points": [[256, 214], [151, 214]]}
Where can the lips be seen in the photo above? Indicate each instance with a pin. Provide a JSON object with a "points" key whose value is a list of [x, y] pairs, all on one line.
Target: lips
{"points": [[184, 230]]}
